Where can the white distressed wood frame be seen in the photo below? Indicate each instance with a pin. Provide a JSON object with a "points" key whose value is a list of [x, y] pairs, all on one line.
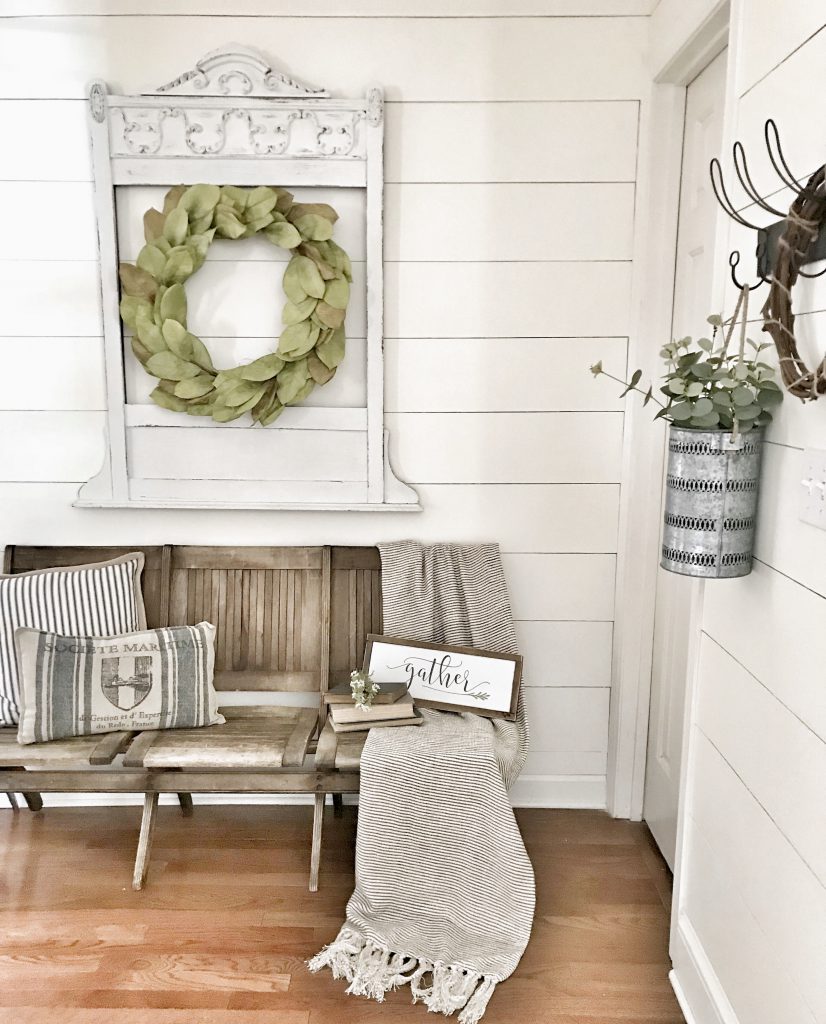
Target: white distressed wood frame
{"points": [[232, 119]]}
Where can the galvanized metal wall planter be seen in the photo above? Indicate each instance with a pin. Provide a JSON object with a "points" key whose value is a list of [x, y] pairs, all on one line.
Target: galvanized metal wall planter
{"points": [[711, 502]]}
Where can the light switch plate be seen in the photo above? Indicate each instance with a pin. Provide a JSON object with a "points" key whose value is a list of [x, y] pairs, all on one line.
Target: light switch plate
{"points": [[813, 488]]}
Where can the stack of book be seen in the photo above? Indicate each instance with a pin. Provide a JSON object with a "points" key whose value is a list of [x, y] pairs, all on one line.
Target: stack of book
{"points": [[392, 706]]}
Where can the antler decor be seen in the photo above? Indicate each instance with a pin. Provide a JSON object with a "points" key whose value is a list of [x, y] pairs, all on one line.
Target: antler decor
{"points": [[783, 249], [804, 222]]}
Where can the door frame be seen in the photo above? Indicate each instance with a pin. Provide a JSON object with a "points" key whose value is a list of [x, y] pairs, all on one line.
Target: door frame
{"points": [[681, 46]]}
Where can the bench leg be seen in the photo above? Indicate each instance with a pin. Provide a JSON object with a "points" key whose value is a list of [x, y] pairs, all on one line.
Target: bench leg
{"points": [[338, 804], [150, 813], [13, 801], [185, 800], [34, 801], [315, 855]]}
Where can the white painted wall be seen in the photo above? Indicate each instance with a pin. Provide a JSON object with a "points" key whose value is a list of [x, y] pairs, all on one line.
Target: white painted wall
{"points": [[508, 245], [749, 932]]}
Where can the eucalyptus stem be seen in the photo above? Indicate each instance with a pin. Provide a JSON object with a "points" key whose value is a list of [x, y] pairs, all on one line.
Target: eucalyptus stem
{"points": [[632, 387]]}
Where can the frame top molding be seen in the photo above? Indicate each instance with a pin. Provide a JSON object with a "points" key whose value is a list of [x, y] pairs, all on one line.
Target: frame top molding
{"points": [[240, 71]]}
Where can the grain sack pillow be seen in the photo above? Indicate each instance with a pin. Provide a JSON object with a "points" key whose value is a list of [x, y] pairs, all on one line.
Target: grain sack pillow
{"points": [[103, 599], [74, 686]]}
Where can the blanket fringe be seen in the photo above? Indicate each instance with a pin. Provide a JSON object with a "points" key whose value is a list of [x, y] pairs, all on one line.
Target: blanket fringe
{"points": [[373, 971]]}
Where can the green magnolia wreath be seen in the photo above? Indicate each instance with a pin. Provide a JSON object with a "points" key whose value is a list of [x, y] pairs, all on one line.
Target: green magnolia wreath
{"points": [[316, 283]]}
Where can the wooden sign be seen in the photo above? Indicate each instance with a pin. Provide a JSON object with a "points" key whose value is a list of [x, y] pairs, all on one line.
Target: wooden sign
{"points": [[450, 678]]}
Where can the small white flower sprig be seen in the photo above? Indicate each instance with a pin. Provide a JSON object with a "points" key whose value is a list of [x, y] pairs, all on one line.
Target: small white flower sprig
{"points": [[364, 689]]}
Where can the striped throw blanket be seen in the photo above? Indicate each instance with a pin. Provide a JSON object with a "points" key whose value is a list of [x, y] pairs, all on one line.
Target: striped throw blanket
{"points": [[444, 895]]}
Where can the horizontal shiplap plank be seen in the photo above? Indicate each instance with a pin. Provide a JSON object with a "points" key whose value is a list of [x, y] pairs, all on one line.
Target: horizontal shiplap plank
{"points": [[565, 653], [778, 758], [568, 719], [760, 51], [509, 222], [566, 587], [456, 142], [786, 899], [348, 389], [743, 957], [499, 300], [48, 140], [508, 447], [544, 585], [476, 59], [502, 374], [50, 298], [52, 374], [750, 615], [50, 446], [778, 96], [540, 517], [782, 541], [52, 220]]}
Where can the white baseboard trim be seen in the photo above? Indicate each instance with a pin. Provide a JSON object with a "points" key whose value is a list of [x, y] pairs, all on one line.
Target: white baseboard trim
{"points": [[695, 983], [584, 791]]}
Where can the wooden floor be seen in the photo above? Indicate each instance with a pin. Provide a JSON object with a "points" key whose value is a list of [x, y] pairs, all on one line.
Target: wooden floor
{"points": [[221, 933]]}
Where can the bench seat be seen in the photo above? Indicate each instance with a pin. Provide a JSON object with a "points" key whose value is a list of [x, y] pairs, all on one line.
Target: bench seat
{"points": [[289, 620], [253, 738]]}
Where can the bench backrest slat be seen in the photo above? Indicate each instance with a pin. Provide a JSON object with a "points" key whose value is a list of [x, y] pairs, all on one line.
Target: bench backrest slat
{"points": [[290, 619]]}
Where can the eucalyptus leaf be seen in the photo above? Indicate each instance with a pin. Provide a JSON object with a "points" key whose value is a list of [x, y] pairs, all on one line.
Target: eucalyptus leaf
{"points": [[150, 335], [703, 407], [132, 307], [331, 350], [137, 282], [176, 226], [168, 366], [264, 368], [173, 304], [167, 401], [681, 411], [153, 221], [742, 396], [152, 260], [195, 387], [294, 313], [291, 380], [283, 234], [199, 200], [337, 294]]}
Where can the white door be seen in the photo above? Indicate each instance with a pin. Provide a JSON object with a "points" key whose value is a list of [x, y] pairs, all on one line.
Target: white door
{"points": [[676, 595]]}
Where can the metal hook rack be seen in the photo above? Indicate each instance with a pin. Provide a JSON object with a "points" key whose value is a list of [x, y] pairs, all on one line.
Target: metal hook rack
{"points": [[767, 237]]}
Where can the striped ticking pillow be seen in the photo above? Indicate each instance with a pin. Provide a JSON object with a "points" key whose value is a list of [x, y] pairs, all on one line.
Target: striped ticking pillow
{"points": [[157, 679], [86, 600]]}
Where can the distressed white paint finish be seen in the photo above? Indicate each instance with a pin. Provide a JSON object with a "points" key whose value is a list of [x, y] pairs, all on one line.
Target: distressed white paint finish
{"points": [[565, 653], [509, 141], [508, 447], [471, 300], [497, 374], [592, 221], [477, 59]]}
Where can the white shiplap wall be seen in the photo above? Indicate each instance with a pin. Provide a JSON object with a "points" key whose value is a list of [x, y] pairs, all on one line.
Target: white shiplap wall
{"points": [[511, 159], [750, 935]]}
